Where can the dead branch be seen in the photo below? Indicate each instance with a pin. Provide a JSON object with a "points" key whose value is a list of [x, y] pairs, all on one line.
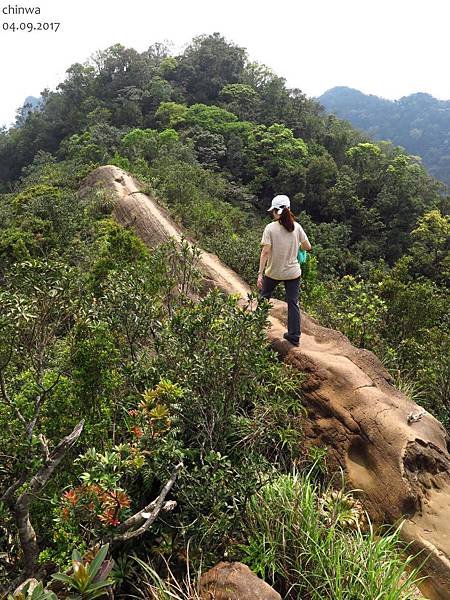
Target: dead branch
{"points": [[148, 515], [44, 446]]}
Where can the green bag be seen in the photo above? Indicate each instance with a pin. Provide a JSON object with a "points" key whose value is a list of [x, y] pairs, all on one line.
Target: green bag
{"points": [[302, 256]]}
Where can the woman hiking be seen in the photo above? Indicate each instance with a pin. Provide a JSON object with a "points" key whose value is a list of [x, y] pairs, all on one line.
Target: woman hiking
{"points": [[278, 262]]}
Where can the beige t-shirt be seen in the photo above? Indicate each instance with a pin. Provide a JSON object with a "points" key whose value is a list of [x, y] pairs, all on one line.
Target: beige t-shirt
{"points": [[282, 263]]}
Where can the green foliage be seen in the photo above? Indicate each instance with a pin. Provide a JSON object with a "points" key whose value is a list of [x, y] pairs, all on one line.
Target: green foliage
{"points": [[82, 148], [321, 175], [415, 334], [89, 580], [33, 593], [403, 320], [431, 247], [315, 462], [207, 65], [217, 337], [211, 118], [94, 362], [405, 194], [355, 308], [171, 114], [308, 550], [276, 160], [147, 143], [99, 503], [239, 117], [241, 99], [118, 246], [37, 192], [238, 251], [16, 245], [197, 197], [236, 414], [67, 352], [210, 147]]}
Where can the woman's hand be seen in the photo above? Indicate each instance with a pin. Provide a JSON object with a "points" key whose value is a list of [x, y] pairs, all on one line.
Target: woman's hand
{"points": [[260, 282]]}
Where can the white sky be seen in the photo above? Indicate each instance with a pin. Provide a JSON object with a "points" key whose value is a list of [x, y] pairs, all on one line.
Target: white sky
{"points": [[386, 47]]}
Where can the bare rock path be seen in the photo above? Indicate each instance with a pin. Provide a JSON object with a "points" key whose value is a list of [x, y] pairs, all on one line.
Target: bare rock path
{"points": [[402, 466]]}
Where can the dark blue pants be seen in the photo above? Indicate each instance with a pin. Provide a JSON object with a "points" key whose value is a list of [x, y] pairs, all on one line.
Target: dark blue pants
{"points": [[292, 288]]}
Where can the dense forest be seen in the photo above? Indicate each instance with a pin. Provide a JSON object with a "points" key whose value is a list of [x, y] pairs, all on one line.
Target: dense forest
{"points": [[418, 122], [122, 379]]}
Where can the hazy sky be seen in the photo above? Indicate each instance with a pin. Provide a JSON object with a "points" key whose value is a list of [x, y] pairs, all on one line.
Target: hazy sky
{"points": [[386, 47]]}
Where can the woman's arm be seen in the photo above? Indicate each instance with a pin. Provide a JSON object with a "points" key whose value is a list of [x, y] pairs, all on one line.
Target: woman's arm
{"points": [[305, 245], [265, 253], [304, 242]]}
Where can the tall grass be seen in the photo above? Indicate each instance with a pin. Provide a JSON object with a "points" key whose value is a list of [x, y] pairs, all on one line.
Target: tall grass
{"points": [[154, 587], [293, 545]]}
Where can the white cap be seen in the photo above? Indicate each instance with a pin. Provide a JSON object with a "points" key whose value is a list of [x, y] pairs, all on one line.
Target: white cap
{"points": [[279, 202]]}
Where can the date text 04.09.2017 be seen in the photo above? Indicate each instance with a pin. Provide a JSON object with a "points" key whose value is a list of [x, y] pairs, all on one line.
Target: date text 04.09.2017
{"points": [[23, 26]]}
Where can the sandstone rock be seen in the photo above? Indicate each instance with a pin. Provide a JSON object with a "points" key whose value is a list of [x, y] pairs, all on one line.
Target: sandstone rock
{"points": [[234, 581]]}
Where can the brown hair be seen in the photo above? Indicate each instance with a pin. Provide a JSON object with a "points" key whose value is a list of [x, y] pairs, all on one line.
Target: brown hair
{"points": [[287, 219]]}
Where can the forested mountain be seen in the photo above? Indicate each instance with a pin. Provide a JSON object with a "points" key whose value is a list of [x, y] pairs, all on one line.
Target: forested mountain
{"points": [[114, 355], [418, 122], [240, 119]]}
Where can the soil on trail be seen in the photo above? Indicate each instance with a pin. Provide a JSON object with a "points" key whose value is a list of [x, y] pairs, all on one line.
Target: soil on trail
{"points": [[402, 465]]}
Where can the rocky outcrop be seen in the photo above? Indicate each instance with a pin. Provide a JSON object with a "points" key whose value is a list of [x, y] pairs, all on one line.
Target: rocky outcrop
{"points": [[234, 581], [389, 447]]}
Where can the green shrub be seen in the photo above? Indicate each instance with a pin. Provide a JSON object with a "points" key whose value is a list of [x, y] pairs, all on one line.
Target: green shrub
{"points": [[239, 415], [354, 307], [310, 544]]}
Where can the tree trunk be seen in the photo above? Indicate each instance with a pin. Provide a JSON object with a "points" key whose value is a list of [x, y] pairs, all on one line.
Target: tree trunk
{"points": [[21, 507]]}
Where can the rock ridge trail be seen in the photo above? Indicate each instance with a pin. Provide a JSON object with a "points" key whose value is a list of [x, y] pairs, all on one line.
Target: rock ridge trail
{"points": [[388, 446]]}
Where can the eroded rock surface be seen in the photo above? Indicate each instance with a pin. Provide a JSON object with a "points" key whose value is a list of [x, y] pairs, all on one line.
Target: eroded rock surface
{"points": [[401, 465], [234, 581]]}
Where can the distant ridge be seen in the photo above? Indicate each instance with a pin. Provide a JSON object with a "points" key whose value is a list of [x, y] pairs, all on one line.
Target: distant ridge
{"points": [[30, 104], [33, 101], [418, 122]]}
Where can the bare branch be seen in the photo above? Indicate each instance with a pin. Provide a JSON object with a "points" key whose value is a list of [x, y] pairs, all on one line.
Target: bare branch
{"points": [[8, 495], [44, 446], [45, 472], [141, 518]]}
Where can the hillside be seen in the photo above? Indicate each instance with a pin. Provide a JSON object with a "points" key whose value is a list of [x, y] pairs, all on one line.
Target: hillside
{"points": [[419, 123], [353, 408], [144, 409]]}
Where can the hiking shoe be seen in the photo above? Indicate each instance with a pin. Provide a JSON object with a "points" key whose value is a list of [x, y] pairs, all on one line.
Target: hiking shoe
{"points": [[291, 340]]}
